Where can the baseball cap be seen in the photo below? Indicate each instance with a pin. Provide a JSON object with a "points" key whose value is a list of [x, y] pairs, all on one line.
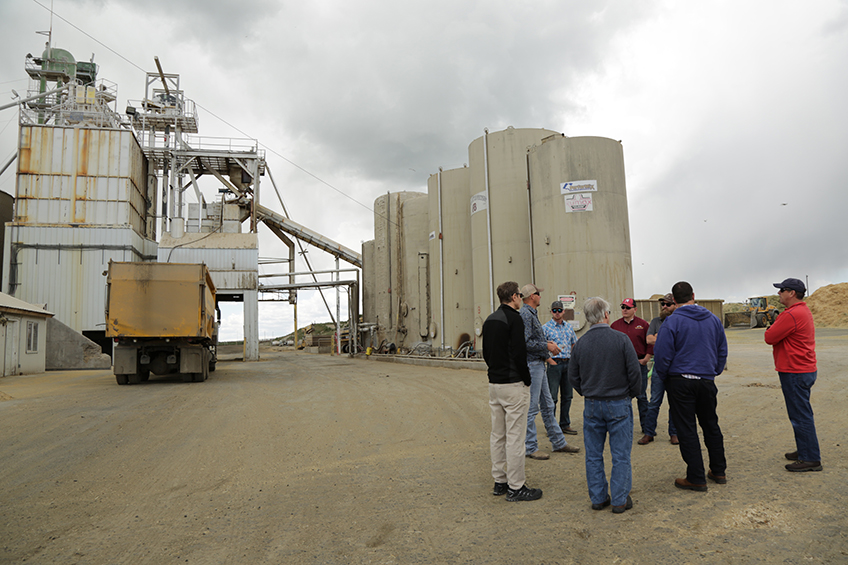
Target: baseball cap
{"points": [[791, 284], [667, 298], [556, 304], [529, 289], [629, 302]]}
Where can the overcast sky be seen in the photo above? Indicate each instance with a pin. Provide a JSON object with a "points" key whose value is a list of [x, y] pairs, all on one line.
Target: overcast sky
{"points": [[733, 115]]}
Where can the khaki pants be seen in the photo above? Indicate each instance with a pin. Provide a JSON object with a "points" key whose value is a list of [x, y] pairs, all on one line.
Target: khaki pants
{"points": [[509, 404]]}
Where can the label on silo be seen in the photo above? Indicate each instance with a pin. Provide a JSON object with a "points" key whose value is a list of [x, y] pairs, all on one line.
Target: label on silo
{"points": [[479, 202], [578, 203], [432, 235], [578, 186]]}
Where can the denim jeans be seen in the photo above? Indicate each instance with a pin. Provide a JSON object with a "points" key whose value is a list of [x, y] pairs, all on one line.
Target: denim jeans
{"points": [[540, 399], [796, 392], [657, 393], [642, 399], [687, 399], [559, 383], [613, 417]]}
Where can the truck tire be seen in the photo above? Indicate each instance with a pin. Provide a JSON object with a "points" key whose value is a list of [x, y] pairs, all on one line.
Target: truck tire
{"points": [[144, 375], [761, 320], [212, 366], [134, 378], [726, 321], [122, 379]]}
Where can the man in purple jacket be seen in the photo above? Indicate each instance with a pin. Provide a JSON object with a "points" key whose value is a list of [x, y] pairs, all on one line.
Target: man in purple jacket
{"points": [[691, 350]]}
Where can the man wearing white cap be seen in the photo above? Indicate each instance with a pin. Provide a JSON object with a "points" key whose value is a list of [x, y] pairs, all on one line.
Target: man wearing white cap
{"points": [[539, 349]]}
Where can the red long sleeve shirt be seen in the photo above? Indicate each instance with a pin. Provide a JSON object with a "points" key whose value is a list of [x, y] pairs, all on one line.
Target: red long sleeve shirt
{"points": [[793, 336]]}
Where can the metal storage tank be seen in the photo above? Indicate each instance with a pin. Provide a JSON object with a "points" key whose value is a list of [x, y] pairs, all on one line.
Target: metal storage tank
{"points": [[369, 314], [452, 312], [414, 319], [581, 231], [387, 281], [500, 226]]}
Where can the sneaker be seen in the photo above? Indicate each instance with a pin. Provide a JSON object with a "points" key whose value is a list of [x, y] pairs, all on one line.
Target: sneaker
{"points": [[800, 466], [627, 506], [569, 430], [567, 449], [602, 505], [538, 455], [523, 493], [792, 455], [718, 479], [500, 489]]}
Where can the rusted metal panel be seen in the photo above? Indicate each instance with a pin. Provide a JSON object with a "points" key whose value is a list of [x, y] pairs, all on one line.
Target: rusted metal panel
{"points": [[160, 300], [81, 176]]}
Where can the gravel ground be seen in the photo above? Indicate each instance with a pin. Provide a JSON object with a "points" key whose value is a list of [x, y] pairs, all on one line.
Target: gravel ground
{"points": [[304, 458]]}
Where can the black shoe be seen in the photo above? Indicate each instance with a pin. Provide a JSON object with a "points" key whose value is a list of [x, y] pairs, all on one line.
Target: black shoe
{"points": [[523, 493], [800, 466], [602, 505], [627, 506], [500, 489], [792, 455]]}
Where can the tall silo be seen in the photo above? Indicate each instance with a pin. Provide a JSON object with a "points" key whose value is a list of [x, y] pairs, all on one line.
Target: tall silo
{"points": [[388, 288], [581, 232], [500, 226], [452, 312], [414, 313], [369, 314]]}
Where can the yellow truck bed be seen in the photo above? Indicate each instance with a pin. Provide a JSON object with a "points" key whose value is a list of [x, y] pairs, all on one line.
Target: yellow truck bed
{"points": [[159, 300]]}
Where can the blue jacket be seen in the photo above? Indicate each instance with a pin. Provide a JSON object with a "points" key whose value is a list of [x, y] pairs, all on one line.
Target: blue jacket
{"points": [[690, 342]]}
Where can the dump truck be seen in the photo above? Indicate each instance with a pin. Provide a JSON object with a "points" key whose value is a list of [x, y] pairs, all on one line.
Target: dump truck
{"points": [[162, 317], [758, 313]]}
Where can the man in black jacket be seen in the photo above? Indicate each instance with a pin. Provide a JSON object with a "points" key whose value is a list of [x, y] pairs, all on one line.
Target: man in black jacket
{"points": [[509, 394]]}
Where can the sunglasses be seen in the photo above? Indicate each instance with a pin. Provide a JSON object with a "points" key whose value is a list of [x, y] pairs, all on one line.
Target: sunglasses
{"points": [[556, 310], [664, 304], [784, 290], [519, 294], [623, 307]]}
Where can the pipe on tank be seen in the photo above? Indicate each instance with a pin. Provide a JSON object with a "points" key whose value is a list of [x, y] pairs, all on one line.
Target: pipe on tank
{"points": [[530, 220], [441, 265], [488, 217]]}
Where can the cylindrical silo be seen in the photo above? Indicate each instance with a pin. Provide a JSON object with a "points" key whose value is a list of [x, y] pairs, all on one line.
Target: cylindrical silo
{"points": [[369, 313], [500, 227], [452, 314], [581, 233], [391, 262], [414, 312]]}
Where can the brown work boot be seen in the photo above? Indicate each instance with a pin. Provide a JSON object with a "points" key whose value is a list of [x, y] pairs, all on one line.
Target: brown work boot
{"points": [[646, 439]]}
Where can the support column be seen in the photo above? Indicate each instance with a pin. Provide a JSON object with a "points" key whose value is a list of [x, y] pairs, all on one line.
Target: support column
{"points": [[251, 325]]}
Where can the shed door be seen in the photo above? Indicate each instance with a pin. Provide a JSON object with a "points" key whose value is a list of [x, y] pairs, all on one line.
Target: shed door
{"points": [[10, 366]]}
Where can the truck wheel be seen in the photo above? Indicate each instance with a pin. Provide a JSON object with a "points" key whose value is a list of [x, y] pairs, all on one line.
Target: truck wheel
{"points": [[212, 366], [122, 379], [144, 375], [134, 378], [726, 322], [761, 320], [187, 377]]}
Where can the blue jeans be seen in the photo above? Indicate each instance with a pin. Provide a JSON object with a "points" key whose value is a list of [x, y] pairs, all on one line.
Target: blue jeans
{"points": [[796, 392], [642, 399], [559, 383], [657, 393], [613, 417], [540, 399]]}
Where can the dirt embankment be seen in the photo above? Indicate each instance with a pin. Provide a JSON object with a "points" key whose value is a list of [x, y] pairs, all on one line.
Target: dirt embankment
{"points": [[829, 306]]}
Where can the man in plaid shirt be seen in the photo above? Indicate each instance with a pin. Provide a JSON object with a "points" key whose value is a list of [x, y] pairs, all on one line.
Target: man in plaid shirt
{"points": [[561, 333]]}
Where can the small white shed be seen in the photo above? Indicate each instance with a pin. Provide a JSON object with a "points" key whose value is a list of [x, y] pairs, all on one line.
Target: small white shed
{"points": [[23, 336]]}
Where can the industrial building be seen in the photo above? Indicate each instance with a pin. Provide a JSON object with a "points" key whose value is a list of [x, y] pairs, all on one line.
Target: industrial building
{"points": [[96, 185], [531, 206]]}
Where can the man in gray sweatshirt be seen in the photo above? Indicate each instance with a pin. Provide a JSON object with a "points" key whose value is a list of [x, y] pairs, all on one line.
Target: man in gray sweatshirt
{"points": [[604, 370]]}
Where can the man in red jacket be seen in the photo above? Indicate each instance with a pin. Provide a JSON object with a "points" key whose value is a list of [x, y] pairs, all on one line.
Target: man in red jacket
{"points": [[793, 336]]}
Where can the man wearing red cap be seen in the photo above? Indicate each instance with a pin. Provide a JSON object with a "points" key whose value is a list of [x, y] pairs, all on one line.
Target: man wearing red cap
{"points": [[637, 330]]}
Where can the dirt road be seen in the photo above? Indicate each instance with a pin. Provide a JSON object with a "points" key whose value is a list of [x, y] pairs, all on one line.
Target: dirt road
{"points": [[313, 459]]}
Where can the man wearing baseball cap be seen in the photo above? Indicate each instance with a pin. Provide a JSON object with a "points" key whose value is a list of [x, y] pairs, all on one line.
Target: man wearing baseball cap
{"points": [[561, 333], [637, 330], [667, 307], [793, 338], [539, 349]]}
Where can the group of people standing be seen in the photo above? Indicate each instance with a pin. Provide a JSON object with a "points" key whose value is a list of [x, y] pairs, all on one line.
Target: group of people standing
{"points": [[530, 365]]}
